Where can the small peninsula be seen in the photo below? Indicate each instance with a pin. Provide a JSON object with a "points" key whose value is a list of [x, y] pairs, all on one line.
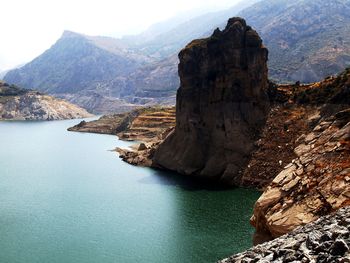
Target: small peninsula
{"points": [[22, 104]]}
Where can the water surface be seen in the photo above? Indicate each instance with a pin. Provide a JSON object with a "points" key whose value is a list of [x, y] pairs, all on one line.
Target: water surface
{"points": [[64, 197]]}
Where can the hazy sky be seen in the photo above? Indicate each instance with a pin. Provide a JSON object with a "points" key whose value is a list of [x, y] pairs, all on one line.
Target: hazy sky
{"points": [[29, 27]]}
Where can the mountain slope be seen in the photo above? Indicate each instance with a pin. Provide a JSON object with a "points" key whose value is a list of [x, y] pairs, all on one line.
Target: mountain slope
{"points": [[74, 63], [171, 41], [307, 39], [157, 82], [3, 73], [153, 82], [140, 70]]}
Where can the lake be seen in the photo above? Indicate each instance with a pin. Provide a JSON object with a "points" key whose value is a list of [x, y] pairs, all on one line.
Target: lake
{"points": [[65, 197]]}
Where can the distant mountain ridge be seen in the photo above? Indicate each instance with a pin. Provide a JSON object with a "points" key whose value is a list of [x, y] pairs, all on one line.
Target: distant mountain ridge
{"points": [[307, 41], [93, 71], [175, 38], [75, 63]]}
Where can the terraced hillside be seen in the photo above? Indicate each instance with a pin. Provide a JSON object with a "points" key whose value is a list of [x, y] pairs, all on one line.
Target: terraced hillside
{"points": [[150, 124], [144, 124]]}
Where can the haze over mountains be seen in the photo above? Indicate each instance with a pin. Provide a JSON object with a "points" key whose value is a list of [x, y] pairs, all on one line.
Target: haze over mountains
{"points": [[307, 40]]}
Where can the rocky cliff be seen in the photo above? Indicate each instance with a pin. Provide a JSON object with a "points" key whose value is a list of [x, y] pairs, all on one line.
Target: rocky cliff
{"points": [[221, 104], [315, 183], [326, 240], [311, 176], [21, 104]]}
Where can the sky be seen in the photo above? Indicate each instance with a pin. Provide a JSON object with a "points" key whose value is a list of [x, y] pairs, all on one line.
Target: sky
{"points": [[29, 27]]}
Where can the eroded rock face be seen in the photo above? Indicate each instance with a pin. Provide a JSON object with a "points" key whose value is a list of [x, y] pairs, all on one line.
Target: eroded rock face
{"points": [[221, 104], [313, 184]]}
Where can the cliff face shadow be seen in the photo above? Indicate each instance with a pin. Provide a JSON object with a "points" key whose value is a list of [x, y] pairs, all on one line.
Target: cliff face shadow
{"points": [[188, 183]]}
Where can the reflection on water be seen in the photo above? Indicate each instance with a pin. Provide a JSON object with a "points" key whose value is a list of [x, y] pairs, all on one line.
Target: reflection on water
{"points": [[64, 197], [185, 182]]}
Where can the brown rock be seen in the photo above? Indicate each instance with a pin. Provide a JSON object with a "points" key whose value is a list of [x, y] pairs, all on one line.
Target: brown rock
{"points": [[221, 104], [142, 147], [310, 192]]}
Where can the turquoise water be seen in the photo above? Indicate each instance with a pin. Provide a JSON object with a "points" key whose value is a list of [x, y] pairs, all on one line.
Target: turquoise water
{"points": [[64, 197]]}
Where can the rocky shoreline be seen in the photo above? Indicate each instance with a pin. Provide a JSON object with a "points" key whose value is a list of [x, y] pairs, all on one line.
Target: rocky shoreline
{"points": [[325, 240], [21, 104]]}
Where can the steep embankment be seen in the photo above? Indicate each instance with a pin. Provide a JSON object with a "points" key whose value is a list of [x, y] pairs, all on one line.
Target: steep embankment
{"points": [[21, 104], [316, 180], [221, 104], [326, 240]]}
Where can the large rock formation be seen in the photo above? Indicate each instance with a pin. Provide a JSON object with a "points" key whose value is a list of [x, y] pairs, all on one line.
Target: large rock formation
{"points": [[221, 104]]}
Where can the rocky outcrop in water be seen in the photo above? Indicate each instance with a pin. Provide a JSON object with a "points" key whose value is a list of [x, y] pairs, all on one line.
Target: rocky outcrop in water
{"points": [[326, 240], [221, 104], [21, 104]]}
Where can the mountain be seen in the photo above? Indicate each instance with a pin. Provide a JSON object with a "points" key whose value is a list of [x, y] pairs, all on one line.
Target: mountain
{"points": [[75, 63], [171, 41], [138, 69], [154, 82], [164, 26], [3, 73], [307, 39], [22, 104], [157, 82]]}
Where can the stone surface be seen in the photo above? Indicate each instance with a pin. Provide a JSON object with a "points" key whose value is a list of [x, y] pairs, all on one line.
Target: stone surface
{"points": [[297, 117], [326, 240], [314, 184], [221, 105]]}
